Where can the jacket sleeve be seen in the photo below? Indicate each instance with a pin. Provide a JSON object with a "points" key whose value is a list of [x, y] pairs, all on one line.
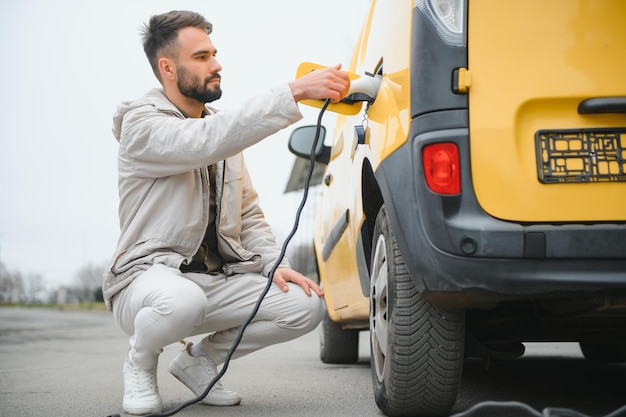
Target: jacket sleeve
{"points": [[158, 142]]}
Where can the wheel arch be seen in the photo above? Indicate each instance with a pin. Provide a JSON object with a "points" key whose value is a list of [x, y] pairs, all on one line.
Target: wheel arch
{"points": [[372, 201]]}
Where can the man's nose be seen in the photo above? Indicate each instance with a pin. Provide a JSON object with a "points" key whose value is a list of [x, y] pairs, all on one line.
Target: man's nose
{"points": [[215, 66]]}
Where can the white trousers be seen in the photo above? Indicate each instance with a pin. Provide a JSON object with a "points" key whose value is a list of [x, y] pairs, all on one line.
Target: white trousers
{"points": [[164, 305]]}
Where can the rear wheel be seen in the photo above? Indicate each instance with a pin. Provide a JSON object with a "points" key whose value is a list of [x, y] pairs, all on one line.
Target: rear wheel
{"points": [[416, 348], [604, 352], [338, 345]]}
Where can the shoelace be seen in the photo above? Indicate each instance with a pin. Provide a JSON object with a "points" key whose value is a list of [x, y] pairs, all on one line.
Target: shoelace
{"points": [[143, 381], [212, 372], [210, 368]]}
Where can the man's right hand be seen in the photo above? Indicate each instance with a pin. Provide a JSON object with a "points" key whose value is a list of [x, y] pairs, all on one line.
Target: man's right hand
{"points": [[331, 83]]}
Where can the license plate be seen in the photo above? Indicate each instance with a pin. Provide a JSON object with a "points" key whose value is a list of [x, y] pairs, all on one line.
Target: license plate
{"points": [[581, 155]]}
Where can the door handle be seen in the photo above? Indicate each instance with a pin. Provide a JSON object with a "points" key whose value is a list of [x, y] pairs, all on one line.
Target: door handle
{"points": [[602, 105]]}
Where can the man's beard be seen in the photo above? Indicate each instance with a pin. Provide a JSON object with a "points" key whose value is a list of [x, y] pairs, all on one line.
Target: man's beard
{"points": [[193, 88]]}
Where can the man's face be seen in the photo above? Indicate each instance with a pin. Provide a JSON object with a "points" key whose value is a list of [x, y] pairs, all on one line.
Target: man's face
{"points": [[197, 69]]}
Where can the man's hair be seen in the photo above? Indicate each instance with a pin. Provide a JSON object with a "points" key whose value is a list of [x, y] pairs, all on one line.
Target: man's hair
{"points": [[160, 34]]}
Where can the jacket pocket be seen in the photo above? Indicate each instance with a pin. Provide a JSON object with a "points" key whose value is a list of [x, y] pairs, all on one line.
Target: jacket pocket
{"points": [[234, 169], [252, 265]]}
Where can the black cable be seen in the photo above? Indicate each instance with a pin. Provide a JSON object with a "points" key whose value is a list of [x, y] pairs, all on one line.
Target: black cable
{"points": [[255, 310], [519, 409]]}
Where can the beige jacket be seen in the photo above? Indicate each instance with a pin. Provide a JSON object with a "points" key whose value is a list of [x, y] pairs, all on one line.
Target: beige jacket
{"points": [[164, 188]]}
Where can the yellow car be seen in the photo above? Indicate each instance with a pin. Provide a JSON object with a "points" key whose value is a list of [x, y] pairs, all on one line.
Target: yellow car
{"points": [[474, 196]]}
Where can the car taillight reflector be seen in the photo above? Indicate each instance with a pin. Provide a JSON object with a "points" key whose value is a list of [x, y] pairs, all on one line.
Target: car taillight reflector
{"points": [[441, 168]]}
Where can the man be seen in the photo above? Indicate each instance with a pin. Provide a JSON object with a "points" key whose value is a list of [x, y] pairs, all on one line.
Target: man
{"points": [[195, 251]]}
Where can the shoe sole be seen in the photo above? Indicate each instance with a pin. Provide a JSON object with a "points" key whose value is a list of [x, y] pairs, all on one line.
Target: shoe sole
{"points": [[141, 411]]}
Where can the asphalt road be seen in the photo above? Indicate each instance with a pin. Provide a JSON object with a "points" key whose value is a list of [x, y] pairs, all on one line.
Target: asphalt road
{"points": [[68, 363]]}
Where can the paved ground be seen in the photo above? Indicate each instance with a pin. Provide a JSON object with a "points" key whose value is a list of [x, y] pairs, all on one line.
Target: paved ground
{"points": [[68, 363]]}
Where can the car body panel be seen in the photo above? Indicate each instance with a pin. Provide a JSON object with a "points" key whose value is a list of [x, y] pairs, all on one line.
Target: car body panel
{"points": [[341, 208]]}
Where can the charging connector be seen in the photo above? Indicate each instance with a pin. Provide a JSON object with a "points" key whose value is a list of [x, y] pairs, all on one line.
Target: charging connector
{"points": [[364, 88]]}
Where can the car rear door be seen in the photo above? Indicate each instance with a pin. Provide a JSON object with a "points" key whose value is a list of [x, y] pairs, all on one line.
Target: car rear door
{"points": [[535, 155]]}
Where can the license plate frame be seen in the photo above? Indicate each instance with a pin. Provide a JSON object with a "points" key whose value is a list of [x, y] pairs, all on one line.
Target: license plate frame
{"points": [[581, 155]]}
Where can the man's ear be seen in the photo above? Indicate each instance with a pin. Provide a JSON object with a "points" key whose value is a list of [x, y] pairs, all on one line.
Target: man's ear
{"points": [[167, 68]]}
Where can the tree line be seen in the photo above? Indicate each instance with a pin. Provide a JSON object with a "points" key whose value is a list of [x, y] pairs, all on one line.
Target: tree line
{"points": [[86, 284], [30, 288]]}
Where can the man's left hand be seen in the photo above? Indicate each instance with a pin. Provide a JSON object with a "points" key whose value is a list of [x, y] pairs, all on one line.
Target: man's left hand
{"points": [[284, 275]]}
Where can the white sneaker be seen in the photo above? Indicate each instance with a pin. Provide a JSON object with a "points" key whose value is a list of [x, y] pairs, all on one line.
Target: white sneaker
{"points": [[141, 394], [196, 372]]}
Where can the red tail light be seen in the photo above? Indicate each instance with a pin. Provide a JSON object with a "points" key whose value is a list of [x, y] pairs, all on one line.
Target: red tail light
{"points": [[441, 168]]}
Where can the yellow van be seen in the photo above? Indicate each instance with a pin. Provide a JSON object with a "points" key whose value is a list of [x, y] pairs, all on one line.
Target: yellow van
{"points": [[476, 199]]}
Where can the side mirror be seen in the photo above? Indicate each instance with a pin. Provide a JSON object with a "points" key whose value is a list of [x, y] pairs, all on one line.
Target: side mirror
{"points": [[302, 139]]}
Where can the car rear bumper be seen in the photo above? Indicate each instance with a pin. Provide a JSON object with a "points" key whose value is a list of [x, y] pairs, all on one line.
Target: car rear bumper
{"points": [[458, 254]]}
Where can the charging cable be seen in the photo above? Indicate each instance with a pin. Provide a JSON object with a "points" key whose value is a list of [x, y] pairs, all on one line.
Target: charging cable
{"points": [[255, 310], [514, 408]]}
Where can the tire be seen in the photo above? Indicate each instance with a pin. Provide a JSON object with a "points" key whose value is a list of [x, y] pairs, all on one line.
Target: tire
{"points": [[604, 352], [416, 348], [337, 345]]}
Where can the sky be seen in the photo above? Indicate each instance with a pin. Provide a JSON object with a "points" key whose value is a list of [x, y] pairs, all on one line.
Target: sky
{"points": [[71, 62]]}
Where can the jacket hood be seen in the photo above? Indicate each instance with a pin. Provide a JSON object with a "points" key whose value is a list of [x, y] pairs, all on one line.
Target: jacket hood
{"points": [[155, 98]]}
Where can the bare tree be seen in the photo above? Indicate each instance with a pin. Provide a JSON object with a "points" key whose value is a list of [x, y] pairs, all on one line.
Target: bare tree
{"points": [[6, 284], [89, 281], [18, 288], [33, 289]]}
